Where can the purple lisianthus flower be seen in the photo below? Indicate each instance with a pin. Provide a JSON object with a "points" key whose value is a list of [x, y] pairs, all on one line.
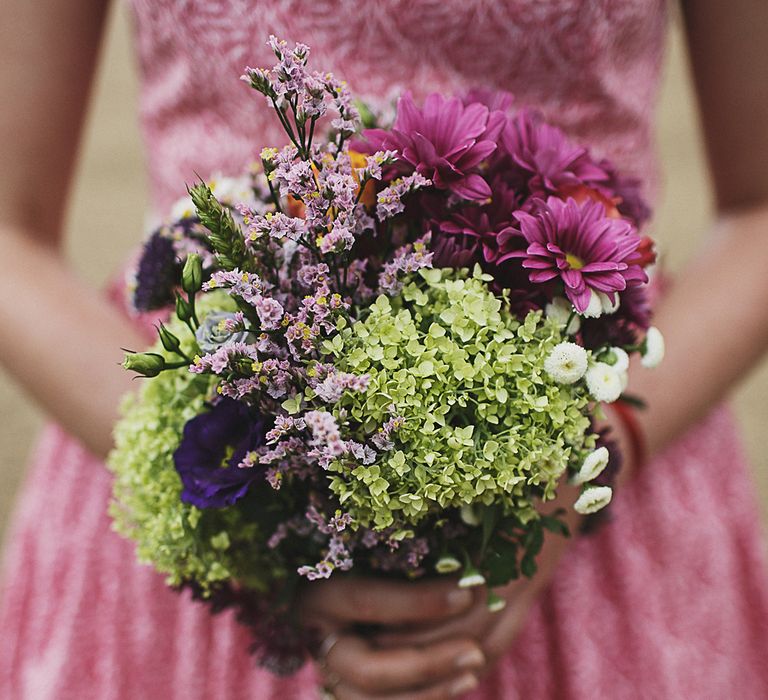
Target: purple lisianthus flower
{"points": [[578, 244], [551, 163], [444, 141], [157, 273], [213, 445]]}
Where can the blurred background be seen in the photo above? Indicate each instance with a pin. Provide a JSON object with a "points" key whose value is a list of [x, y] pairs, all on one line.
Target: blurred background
{"points": [[110, 173]]}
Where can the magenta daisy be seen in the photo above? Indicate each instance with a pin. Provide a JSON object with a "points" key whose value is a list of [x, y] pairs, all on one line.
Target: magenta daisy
{"points": [[544, 152], [578, 244], [444, 141]]}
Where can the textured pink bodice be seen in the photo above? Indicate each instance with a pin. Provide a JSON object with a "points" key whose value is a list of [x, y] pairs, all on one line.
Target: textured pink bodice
{"points": [[591, 66], [668, 600]]}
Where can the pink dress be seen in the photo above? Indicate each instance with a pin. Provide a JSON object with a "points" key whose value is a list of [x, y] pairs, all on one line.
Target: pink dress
{"points": [[670, 600]]}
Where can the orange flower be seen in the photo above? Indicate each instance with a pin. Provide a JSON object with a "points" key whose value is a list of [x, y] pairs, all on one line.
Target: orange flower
{"points": [[358, 161], [581, 193]]}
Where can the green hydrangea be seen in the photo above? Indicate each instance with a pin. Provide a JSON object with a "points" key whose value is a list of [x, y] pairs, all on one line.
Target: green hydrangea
{"points": [[483, 423], [179, 540]]}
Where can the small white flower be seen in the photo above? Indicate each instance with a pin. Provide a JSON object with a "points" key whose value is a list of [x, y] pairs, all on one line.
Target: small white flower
{"points": [[592, 467], [495, 602], [183, 209], [653, 348], [593, 499], [609, 307], [621, 359], [595, 307], [447, 564], [231, 190], [566, 363], [604, 382], [471, 578], [560, 310]]}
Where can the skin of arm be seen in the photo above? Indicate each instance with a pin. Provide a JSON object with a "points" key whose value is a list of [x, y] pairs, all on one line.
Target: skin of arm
{"points": [[61, 340]]}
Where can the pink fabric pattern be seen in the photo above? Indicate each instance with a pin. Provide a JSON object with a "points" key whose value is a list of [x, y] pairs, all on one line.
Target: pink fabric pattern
{"points": [[669, 600]]}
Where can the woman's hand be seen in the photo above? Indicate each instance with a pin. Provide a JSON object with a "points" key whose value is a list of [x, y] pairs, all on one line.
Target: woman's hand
{"points": [[356, 667], [496, 631]]}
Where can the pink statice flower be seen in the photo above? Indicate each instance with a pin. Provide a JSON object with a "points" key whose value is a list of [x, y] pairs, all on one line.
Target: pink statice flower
{"points": [[444, 141], [578, 244]]}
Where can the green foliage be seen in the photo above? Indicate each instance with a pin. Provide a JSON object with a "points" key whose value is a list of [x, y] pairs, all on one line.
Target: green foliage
{"points": [[224, 235], [181, 541], [483, 422]]}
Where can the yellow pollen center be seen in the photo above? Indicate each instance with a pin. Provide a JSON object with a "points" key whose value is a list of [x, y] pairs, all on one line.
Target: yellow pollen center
{"points": [[575, 262]]}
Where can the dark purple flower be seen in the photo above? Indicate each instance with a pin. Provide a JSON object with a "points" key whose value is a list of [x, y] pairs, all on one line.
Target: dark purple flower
{"points": [[578, 244], [157, 273], [627, 190], [488, 229], [444, 141], [550, 162], [213, 445], [622, 327]]}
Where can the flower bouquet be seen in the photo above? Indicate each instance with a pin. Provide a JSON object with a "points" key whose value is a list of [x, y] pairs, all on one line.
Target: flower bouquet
{"points": [[385, 349]]}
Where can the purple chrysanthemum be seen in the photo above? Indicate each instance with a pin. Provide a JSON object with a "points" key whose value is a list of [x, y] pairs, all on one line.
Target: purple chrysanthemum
{"points": [[551, 163], [486, 230], [157, 273], [213, 445], [578, 244], [444, 141]]}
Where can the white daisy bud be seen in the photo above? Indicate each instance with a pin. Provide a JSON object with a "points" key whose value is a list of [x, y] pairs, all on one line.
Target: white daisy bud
{"points": [[592, 467], [560, 310], [471, 577], [495, 602], [594, 308], [566, 363], [603, 382], [447, 564], [653, 348], [593, 499], [609, 306]]}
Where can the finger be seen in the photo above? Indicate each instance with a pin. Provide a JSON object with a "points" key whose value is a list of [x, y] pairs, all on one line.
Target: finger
{"points": [[473, 624], [469, 625], [370, 670], [453, 688], [384, 602]]}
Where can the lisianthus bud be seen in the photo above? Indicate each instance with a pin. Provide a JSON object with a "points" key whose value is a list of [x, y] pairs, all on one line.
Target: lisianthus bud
{"points": [[192, 275], [170, 342], [183, 309], [147, 364]]}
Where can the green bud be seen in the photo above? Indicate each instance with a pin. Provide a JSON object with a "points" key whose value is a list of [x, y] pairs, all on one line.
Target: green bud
{"points": [[367, 117], [495, 602], [170, 342], [147, 364], [192, 275], [183, 309]]}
